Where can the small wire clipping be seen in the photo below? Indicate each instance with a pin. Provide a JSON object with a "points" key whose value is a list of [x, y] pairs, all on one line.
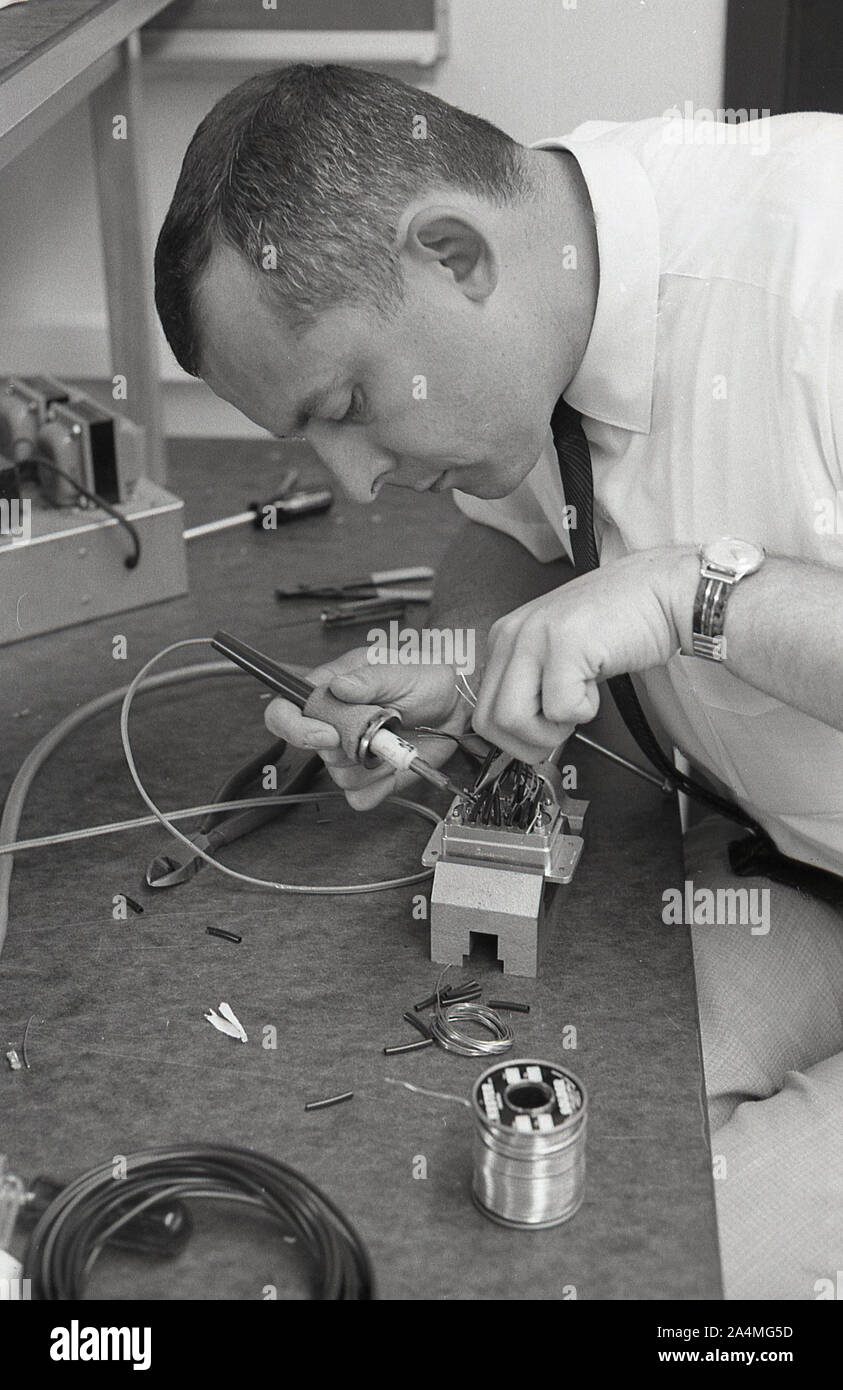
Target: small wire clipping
{"points": [[329, 1101]]}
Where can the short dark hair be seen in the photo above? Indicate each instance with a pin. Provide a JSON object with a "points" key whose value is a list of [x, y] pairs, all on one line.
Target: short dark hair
{"points": [[317, 162]]}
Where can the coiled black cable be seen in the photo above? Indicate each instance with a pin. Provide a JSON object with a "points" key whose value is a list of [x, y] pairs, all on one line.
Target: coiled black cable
{"points": [[70, 1235]]}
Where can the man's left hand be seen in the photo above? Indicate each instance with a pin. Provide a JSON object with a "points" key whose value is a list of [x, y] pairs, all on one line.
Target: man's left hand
{"points": [[544, 660]]}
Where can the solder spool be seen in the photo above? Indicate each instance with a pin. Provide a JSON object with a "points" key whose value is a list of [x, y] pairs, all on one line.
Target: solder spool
{"points": [[529, 1143]]}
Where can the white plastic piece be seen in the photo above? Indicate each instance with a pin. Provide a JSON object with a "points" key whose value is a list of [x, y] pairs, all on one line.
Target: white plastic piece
{"points": [[533, 1073], [229, 1023], [394, 750]]}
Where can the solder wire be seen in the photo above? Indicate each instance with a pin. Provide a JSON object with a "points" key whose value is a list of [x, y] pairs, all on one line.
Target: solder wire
{"points": [[453, 1040], [535, 1178], [450, 1037]]}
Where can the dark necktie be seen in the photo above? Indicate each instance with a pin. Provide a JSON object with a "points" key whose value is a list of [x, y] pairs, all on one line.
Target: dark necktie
{"points": [[756, 855]]}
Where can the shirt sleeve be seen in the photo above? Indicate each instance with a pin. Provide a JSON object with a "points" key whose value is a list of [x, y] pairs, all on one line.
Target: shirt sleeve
{"points": [[533, 514]]}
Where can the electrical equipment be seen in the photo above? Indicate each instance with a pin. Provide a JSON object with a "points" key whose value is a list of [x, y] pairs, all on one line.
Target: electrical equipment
{"points": [[73, 490], [102, 451], [494, 853], [529, 1144], [23, 411]]}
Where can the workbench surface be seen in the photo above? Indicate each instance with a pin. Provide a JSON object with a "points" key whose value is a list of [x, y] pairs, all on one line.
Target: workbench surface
{"points": [[122, 1058]]}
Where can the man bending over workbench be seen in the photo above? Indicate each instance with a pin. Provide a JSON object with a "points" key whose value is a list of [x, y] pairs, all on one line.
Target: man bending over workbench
{"points": [[335, 239]]}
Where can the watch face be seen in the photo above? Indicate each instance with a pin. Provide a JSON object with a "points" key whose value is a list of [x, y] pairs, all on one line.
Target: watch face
{"points": [[729, 553]]}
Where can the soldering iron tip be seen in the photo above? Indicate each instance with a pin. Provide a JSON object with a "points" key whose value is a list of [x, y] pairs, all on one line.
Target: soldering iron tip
{"points": [[435, 777]]}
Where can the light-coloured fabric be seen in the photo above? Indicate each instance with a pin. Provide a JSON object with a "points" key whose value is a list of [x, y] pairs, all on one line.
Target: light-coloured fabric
{"points": [[771, 1024], [712, 398]]}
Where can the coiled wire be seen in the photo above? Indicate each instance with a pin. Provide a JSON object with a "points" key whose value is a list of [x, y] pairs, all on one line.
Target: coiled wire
{"points": [[444, 1029], [70, 1235]]}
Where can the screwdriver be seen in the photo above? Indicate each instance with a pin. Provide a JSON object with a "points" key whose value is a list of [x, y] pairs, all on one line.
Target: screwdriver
{"points": [[286, 505], [366, 731]]}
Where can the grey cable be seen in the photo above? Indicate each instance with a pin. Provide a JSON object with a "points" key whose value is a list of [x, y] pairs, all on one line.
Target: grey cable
{"points": [[246, 803], [35, 759], [19, 790], [195, 849]]}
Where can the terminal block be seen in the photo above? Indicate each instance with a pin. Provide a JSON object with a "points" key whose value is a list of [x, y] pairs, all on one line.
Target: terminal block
{"points": [[494, 855]]}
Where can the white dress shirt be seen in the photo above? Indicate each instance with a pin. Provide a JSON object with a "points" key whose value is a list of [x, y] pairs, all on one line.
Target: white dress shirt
{"points": [[711, 391]]}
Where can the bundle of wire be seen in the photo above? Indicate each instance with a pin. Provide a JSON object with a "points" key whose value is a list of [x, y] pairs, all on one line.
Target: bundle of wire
{"points": [[445, 1031], [510, 801], [70, 1235], [446, 1016]]}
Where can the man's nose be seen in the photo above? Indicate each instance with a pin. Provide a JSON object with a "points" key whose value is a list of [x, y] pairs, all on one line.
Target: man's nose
{"points": [[354, 463]]}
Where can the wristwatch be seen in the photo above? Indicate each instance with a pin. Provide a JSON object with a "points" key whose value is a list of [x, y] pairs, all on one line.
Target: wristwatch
{"points": [[725, 562]]}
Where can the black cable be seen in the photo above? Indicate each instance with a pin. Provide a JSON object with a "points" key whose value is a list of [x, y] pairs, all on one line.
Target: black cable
{"points": [[67, 1240], [131, 561]]}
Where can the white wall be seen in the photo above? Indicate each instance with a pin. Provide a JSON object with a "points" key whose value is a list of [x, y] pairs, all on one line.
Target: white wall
{"points": [[535, 67]]}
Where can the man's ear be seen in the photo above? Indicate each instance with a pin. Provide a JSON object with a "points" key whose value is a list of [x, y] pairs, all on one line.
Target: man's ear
{"points": [[453, 239]]}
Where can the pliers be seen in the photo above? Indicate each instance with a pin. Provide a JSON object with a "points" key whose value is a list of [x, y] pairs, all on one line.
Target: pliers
{"points": [[220, 827]]}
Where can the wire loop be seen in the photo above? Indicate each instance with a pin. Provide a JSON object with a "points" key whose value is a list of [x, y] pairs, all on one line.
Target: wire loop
{"points": [[444, 1028], [72, 1232]]}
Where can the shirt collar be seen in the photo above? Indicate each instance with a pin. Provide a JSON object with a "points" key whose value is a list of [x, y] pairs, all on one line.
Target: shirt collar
{"points": [[614, 382]]}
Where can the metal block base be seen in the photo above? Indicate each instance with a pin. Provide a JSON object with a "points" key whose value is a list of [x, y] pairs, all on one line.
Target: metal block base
{"points": [[505, 903]]}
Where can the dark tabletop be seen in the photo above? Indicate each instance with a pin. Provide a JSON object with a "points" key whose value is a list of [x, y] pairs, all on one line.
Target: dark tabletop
{"points": [[122, 1057]]}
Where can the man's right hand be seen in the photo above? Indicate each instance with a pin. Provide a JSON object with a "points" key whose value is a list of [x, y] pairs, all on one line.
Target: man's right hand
{"points": [[425, 695]]}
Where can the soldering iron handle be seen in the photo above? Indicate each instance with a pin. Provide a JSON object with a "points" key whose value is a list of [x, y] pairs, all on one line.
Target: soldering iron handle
{"points": [[363, 729], [350, 721], [257, 664]]}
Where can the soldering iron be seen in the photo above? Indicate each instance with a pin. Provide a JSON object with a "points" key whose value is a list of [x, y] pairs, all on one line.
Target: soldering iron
{"points": [[367, 732]]}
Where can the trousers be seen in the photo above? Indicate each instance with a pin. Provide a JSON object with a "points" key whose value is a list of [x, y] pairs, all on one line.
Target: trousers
{"points": [[770, 993]]}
